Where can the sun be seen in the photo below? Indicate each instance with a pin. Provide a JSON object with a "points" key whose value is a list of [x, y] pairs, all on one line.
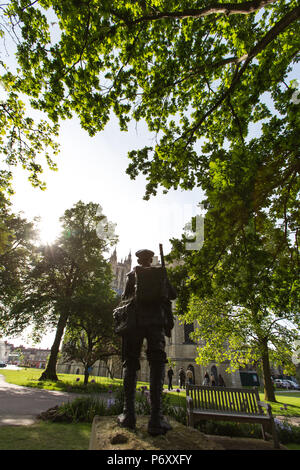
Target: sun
{"points": [[49, 231]]}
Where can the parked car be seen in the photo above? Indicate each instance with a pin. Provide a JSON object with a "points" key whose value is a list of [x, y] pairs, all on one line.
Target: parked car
{"points": [[278, 383], [286, 384], [293, 384], [2, 364]]}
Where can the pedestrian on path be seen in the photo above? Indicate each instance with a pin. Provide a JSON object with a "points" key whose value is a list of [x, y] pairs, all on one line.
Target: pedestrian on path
{"points": [[170, 377], [189, 376], [181, 378], [206, 379]]}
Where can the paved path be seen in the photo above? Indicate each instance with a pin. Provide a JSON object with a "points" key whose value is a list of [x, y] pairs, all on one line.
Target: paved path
{"points": [[21, 405]]}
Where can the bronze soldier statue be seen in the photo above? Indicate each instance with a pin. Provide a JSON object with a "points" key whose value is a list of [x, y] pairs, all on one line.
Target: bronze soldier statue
{"points": [[154, 321]]}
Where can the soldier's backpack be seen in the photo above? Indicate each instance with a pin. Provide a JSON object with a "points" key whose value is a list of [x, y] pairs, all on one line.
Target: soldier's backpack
{"points": [[124, 317], [150, 284]]}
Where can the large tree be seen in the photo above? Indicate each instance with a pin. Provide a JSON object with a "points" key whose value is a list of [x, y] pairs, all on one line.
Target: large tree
{"points": [[246, 307], [58, 273], [202, 74], [212, 80]]}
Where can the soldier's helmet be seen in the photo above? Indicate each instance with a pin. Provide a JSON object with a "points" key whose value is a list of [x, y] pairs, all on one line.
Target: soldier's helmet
{"points": [[144, 254]]}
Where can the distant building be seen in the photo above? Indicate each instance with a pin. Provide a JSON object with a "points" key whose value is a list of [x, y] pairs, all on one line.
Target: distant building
{"points": [[120, 269], [21, 355], [34, 357]]}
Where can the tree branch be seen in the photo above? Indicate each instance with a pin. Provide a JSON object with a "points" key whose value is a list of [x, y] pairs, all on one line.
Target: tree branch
{"points": [[215, 8], [277, 29], [206, 67], [236, 119]]}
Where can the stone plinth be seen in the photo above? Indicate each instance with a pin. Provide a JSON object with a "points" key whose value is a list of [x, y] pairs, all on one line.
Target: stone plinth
{"points": [[107, 435]]}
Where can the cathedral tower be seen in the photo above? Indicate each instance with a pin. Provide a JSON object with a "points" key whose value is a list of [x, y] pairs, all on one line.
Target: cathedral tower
{"points": [[120, 269]]}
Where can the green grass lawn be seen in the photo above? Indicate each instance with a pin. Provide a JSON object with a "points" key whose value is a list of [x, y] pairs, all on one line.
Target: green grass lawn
{"points": [[29, 377], [46, 436], [291, 399], [293, 446]]}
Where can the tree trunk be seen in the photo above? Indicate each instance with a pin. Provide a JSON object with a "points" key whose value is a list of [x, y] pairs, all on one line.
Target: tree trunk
{"points": [[268, 385], [86, 374], [50, 371], [110, 371]]}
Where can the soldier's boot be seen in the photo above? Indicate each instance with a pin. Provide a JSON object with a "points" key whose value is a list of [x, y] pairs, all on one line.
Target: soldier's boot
{"points": [[127, 419], [158, 424]]}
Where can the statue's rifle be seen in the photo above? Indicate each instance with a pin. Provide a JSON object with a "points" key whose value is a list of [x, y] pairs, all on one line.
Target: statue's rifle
{"points": [[167, 303], [162, 258]]}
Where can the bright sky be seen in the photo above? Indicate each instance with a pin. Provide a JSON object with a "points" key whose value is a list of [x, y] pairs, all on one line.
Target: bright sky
{"points": [[93, 170]]}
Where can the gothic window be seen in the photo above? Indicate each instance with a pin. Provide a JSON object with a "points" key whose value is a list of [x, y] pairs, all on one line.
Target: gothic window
{"points": [[188, 328]]}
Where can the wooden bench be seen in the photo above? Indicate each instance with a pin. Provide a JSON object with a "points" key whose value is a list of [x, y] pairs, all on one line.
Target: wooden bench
{"points": [[229, 404]]}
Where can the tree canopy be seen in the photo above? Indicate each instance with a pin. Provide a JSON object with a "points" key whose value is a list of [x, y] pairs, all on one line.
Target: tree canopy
{"points": [[24, 140], [211, 79], [247, 311], [57, 275]]}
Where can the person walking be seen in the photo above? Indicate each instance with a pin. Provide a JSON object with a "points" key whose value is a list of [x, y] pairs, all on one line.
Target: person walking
{"points": [[181, 378], [206, 379], [213, 380], [189, 376], [170, 377]]}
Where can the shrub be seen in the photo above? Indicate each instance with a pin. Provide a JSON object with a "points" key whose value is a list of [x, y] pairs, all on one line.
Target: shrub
{"points": [[286, 432], [171, 406], [225, 428], [84, 409], [142, 402]]}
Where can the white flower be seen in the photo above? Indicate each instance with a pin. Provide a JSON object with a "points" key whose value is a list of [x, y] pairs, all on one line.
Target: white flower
{"points": [[282, 424]]}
